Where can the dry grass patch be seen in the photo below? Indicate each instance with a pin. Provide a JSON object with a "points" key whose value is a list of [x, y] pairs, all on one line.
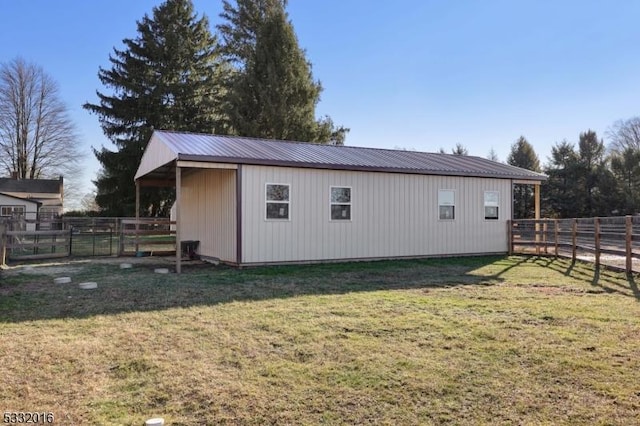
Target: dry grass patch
{"points": [[468, 341]]}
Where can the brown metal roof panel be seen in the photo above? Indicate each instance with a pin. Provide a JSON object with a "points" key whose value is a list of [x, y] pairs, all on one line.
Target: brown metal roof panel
{"points": [[262, 151]]}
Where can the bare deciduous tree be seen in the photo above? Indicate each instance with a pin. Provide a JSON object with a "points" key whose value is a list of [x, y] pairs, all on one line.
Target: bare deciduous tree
{"points": [[37, 138], [624, 134]]}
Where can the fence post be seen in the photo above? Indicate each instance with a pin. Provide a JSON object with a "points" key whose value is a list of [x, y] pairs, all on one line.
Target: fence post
{"points": [[70, 240], [596, 222], [121, 239], [628, 243], [555, 236], [509, 236], [574, 239], [3, 245]]}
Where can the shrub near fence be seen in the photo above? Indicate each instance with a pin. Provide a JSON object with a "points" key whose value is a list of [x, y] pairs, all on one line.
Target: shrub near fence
{"points": [[612, 241]]}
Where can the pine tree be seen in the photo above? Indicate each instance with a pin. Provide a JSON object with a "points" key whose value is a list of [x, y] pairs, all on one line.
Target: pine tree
{"points": [[591, 172], [239, 32], [523, 155], [559, 191], [625, 166], [168, 77], [273, 94], [460, 150]]}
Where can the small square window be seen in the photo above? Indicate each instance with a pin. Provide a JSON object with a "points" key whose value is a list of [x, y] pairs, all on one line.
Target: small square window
{"points": [[491, 213]]}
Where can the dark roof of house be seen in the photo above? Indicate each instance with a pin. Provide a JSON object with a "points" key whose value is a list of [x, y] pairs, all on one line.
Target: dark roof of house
{"points": [[242, 150], [31, 186]]}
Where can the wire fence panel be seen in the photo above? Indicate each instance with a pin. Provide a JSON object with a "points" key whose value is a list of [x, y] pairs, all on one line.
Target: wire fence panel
{"points": [[23, 239]]}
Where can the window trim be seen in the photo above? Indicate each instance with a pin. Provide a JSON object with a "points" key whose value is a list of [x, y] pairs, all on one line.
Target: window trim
{"points": [[266, 201], [12, 207], [484, 206], [454, 205], [350, 203]]}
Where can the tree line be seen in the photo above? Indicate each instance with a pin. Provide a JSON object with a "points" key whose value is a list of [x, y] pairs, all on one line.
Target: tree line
{"points": [[250, 78], [585, 179]]}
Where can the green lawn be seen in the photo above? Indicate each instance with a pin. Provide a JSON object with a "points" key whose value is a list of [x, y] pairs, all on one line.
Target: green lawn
{"points": [[489, 340]]}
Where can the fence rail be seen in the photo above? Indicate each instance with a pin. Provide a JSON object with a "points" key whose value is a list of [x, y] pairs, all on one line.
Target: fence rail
{"points": [[25, 239], [611, 241]]}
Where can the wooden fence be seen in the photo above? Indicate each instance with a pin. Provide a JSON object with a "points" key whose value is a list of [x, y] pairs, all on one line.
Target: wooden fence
{"points": [[611, 241], [147, 237], [25, 239]]}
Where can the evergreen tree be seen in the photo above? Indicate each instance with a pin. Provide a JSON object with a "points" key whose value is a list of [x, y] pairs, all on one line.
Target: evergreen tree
{"points": [[523, 155], [273, 94], [460, 150], [625, 166], [559, 191], [580, 183], [239, 32], [493, 155], [591, 172], [168, 77]]}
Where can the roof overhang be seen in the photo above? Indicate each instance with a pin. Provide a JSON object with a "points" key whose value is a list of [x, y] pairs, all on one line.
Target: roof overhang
{"points": [[24, 200]]}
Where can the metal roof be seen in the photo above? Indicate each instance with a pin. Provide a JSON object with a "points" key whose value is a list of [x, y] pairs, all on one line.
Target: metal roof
{"points": [[242, 150]]}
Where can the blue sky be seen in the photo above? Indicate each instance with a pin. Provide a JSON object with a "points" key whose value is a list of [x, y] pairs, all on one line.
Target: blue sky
{"points": [[416, 74]]}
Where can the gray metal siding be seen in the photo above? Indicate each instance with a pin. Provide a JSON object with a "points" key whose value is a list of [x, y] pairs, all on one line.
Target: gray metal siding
{"points": [[392, 215], [208, 211]]}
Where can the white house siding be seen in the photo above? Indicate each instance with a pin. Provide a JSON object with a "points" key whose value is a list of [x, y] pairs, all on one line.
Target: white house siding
{"points": [[392, 214], [31, 208], [208, 211]]}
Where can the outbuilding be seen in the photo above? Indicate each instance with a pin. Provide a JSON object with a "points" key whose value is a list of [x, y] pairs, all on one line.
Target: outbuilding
{"points": [[254, 201], [18, 210]]}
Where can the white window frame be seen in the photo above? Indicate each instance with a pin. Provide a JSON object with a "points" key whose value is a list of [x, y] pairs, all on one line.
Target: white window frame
{"points": [[332, 203], [453, 191], [13, 208], [495, 204], [267, 201]]}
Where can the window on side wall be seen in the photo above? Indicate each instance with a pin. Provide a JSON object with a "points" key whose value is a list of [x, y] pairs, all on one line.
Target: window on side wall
{"points": [[340, 203], [277, 201], [491, 205], [12, 211], [446, 204]]}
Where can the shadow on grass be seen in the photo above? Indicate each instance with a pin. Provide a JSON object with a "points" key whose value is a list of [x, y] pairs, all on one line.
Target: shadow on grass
{"points": [[604, 278], [28, 297]]}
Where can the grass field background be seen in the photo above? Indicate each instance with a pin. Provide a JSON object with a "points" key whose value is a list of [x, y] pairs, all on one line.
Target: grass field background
{"points": [[488, 340]]}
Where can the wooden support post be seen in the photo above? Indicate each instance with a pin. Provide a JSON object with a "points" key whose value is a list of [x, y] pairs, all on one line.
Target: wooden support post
{"points": [[628, 244], [3, 245], [536, 192], [178, 225], [545, 230], [574, 239], [596, 223], [536, 232], [137, 215], [510, 237]]}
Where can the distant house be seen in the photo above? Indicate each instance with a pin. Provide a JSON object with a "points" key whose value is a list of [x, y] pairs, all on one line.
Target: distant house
{"points": [[15, 208], [47, 194], [252, 201]]}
